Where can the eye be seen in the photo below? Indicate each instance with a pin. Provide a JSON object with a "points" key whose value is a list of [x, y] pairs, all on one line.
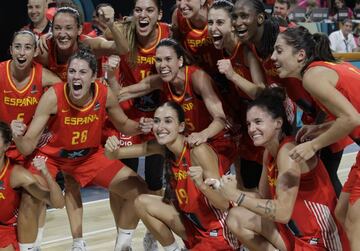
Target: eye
{"points": [[156, 120], [168, 121]]}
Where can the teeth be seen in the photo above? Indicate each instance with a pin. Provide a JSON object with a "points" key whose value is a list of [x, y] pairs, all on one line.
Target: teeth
{"points": [[165, 71], [144, 22]]}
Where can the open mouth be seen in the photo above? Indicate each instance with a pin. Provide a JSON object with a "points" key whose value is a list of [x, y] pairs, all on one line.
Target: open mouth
{"points": [[217, 38], [21, 61], [143, 24]]}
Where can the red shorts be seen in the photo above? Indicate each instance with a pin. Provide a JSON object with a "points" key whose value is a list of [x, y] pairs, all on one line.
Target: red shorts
{"points": [[352, 184], [197, 241], [226, 149], [8, 237], [93, 168]]}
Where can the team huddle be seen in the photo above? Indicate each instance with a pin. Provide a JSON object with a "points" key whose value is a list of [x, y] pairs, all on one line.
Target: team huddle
{"points": [[217, 87]]}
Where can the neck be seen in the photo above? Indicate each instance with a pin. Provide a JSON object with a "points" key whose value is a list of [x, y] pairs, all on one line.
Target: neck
{"points": [[273, 146], [199, 21], [62, 56], [40, 26], [84, 101], [149, 40], [258, 37], [231, 43], [19, 75], [179, 82], [177, 145]]}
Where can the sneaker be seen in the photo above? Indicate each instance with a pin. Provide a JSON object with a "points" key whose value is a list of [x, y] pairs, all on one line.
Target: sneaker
{"points": [[149, 242], [78, 246]]}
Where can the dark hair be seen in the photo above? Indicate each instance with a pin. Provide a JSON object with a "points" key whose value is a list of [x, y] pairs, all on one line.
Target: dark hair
{"points": [[72, 12], [272, 100], [25, 32], [346, 20], [158, 4], [5, 132], [270, 28], [316, 46], [223, 4], [86, 55], [179, 50], [284, 2], [169, 195]]}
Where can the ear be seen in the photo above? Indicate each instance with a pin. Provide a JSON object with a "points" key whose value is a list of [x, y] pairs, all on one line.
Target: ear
{"points": [[37, 52], [279, 123], [182, 127], [181, 62], [160, 15], [80, 30], [260, 18], [301, 55]]}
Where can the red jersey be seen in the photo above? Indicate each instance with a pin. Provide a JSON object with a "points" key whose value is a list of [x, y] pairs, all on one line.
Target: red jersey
{"points": [[144, 67], [19, 103], [194, 206], [197, 117], [348, 85], [315, 202], [9, 198], [75, 131], [61, 69], [198, 43]]}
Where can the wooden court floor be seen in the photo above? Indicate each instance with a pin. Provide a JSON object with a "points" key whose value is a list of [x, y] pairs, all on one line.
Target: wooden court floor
{"points": [[99, 229]]}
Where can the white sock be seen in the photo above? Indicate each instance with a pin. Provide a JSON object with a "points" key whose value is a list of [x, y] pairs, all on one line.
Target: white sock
{"points": [[172, 247], [79, 240], [26, 246], [123, 238], [39, 237]]}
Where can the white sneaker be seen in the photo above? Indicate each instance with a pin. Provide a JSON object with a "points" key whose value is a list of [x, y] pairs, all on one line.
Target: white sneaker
{"points": [[149, 242], [78, 246]]}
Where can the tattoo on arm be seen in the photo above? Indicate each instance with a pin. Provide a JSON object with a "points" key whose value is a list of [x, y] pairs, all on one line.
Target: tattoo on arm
{"points": [[269, 209]]}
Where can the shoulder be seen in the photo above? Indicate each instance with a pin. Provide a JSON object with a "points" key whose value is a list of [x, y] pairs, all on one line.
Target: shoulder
{"points": [[203, 153]]}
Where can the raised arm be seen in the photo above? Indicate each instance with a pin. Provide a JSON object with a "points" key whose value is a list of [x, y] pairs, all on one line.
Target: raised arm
{"points": [[203, 86], [52, 194], [320, 82], [114, 151], [46, 107], [287, 185], [206, 166]]}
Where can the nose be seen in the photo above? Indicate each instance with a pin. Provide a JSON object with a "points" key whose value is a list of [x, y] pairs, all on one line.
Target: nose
{"points": [[273, 56], [237, 21], [251, 128]]}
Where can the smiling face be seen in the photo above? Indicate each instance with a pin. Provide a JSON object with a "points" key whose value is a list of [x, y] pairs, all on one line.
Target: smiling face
{"points": [[245, 21], [22, 51], [262, 127], [167, 63], [36, 10], [219, 27], [80, 76], [281, 10], [146, 15], [288, 63], [65, 31], [189, 8], [166, 126]]}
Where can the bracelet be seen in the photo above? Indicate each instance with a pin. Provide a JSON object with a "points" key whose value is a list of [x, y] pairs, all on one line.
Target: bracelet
{"points": [[240, 199]]}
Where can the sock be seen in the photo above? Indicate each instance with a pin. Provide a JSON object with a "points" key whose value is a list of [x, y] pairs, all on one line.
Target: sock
{"points": [[26, 246], [78, 240], [172, 247], [39, 237], [124, 238]]}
